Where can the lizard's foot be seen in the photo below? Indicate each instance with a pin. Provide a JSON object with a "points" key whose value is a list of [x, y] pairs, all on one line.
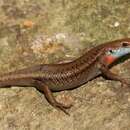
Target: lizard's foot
{"points": [[124, 83], [62, 107]]}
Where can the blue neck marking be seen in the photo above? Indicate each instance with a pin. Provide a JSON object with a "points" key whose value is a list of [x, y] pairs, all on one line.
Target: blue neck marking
{"points": [[119, 52]]}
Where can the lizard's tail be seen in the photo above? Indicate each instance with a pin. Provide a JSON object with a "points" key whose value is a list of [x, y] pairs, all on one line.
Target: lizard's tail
{"points": [[23, 77], [8, 80]]}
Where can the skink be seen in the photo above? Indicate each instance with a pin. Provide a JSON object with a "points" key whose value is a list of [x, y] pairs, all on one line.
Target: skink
{"points": [[57, 77]]}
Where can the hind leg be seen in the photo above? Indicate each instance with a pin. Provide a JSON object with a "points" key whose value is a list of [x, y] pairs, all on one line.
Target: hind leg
{"points": [[50, 98]]}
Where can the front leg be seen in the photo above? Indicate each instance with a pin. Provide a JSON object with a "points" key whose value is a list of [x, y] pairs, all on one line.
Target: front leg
{"points": [[50, 98], [108, 74]]}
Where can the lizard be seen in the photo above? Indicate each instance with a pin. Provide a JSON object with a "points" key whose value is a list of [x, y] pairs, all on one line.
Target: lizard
{"points": [[49, 78]]}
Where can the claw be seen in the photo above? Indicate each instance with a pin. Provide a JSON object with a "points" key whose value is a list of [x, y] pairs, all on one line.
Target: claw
{"points": [[62, 107]]}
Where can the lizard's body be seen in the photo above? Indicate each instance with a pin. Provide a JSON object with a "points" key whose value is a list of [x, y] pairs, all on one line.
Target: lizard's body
{"points": [[57, 77]]}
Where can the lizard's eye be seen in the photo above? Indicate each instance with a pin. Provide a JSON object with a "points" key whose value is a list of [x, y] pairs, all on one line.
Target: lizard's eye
{"points": [[125, 44]]}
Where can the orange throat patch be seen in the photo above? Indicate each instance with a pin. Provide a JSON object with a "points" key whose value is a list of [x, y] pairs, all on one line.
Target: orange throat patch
{"points": [[109, 59]]}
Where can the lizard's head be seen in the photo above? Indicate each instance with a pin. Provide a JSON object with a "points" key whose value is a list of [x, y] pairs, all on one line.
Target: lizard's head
{"points": [[116, 49]]}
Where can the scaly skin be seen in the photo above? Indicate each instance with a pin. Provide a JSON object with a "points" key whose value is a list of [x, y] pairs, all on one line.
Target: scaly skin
{"points": [[57, 77]]}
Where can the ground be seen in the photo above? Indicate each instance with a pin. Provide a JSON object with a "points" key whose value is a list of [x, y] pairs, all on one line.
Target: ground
{"points": [[51, 31]]}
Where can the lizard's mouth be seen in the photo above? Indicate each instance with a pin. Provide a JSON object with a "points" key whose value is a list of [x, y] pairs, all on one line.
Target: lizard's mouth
{"points": [[113, 54]]}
